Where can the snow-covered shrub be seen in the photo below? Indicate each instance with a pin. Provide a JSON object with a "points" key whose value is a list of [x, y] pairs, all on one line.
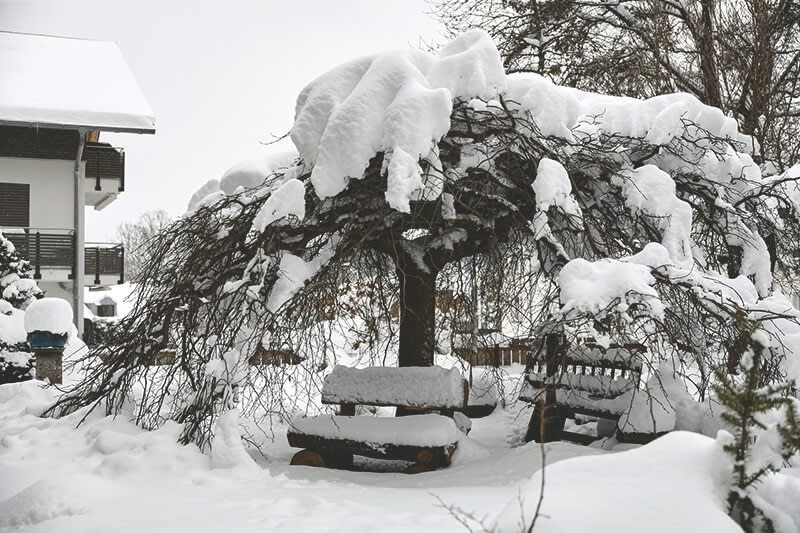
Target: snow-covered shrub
{"points": [[17, 291], [764, 423]]}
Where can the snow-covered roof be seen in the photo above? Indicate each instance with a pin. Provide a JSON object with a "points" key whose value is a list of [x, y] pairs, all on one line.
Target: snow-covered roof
{"points": [[59, 81]]}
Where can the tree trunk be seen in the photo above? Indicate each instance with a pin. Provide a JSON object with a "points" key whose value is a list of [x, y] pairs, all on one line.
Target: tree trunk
{"points": [[734, 261], [417, 316]]}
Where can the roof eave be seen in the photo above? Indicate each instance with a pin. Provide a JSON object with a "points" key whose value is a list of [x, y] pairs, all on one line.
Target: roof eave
{"points": [[95, 127]]}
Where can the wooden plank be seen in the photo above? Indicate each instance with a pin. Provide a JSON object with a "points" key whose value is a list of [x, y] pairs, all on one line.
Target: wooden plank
{"points": [[638, 438], [578, 438], [436, 456]]}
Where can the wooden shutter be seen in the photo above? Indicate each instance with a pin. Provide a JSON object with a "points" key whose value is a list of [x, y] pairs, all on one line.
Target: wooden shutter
{"points": [[15, 204]]}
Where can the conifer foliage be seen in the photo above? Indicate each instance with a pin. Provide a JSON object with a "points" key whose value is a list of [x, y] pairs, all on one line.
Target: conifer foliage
{"points": [[765, 421], [17, 291]]}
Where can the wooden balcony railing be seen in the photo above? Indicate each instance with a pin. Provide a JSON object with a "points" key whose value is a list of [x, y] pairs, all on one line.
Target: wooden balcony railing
{"points": [[104, 161], [104, 259], [55, 249], [44, 248]]}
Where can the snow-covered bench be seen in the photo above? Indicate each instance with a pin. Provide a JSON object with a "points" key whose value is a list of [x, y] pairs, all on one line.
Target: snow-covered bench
{"points": [[586, 379], [422, 437]]}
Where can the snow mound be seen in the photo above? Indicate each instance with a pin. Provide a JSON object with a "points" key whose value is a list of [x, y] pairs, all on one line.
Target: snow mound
{"points": [[592, 287], [651, 191], [681, 489], [209, 189], [288, 199], [396, 102], [49, 314], [41, 501], [294, 272], [252, 172], [553, 188], [655, 409], [246, 174], [227, 450], [565, 112], [28, 397], [12, 324]]}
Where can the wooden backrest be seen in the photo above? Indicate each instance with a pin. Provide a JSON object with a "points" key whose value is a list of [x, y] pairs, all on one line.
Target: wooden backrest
{"points": [[584, 374], [606, 364], [415, 387]]}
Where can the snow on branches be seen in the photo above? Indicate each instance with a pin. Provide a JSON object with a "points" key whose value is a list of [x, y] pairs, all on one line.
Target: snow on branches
{"points": [[407, 164]]}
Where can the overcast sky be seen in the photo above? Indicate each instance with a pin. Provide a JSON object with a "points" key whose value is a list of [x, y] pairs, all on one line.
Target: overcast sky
{"points": [[220, 76]]}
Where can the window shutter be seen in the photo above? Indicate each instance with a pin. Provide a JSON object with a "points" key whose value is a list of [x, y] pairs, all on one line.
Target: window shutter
{"points": [[15, 205]]}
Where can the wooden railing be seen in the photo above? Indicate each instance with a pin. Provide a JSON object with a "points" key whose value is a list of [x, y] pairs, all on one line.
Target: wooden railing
{"points": [[104, 161], [103, 259], [44, 248], [55, 249]]}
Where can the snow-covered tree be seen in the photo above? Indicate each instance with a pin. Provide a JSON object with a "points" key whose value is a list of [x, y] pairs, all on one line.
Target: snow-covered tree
{"points": [[17, 290], [765, 420], [738, 55], [134, 237], [622, 215]]}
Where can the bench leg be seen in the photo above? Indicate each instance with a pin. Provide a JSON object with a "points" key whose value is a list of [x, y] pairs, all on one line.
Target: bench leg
{"points": [[418, 468], [427, 461], [308, 458], [545, 428], [342, 460]]}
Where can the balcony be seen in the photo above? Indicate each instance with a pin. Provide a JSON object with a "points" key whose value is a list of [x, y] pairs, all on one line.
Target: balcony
{"points": [[103, 260], [105, 173], [51, 254]]}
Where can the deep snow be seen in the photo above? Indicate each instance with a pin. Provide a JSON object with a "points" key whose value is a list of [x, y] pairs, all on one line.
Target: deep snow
{"points": [[109, 475]]}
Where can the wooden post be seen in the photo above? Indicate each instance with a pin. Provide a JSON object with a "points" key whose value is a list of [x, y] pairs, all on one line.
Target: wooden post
{"points": [[37, 274], [49, 366], [547, 422]]}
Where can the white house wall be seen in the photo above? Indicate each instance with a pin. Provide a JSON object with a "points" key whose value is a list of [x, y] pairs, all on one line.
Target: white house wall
{"points": [[52, 193]]}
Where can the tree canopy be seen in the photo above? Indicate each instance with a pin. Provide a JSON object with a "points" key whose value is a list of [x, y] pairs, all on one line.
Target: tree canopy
{"points": [[633, 218], [742, 56]]}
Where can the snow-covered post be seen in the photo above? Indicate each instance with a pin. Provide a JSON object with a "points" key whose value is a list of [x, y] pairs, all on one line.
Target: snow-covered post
{"points": [[48, 323]]}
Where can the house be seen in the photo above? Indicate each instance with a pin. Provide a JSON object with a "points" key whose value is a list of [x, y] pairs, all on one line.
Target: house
{"points": [[57, 97]]}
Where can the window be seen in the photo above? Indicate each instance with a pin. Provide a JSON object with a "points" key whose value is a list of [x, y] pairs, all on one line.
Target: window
{"points": [[15, 205]]}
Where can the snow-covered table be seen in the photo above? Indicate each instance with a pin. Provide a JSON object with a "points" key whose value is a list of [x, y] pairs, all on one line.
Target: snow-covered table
{"points": [[426, 439]]}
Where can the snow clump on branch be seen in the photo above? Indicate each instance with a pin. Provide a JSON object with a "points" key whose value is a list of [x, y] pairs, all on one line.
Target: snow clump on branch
{"points": [[396, 102]]}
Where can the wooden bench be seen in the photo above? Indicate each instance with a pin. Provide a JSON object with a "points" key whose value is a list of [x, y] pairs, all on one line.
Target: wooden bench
{"points": [[584, 379], [428, 398]]}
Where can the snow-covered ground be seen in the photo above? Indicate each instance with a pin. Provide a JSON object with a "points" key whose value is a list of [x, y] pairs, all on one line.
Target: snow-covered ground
{"points": [[109, 475]]}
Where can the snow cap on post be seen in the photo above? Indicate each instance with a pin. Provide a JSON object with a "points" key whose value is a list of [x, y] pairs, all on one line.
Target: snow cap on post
{"points": [[52, 315]]}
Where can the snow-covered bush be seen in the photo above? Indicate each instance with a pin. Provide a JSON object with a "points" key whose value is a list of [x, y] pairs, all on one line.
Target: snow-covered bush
{"points": [[764, 422], [17, 291]]}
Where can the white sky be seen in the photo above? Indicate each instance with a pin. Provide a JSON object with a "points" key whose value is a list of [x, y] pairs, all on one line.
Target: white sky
{"points": [[220, 76]]}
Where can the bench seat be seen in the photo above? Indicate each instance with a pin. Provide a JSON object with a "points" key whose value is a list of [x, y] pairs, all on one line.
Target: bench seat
{"points": [[402, 438], [412, 430], [581, 401], [426, 438]]}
